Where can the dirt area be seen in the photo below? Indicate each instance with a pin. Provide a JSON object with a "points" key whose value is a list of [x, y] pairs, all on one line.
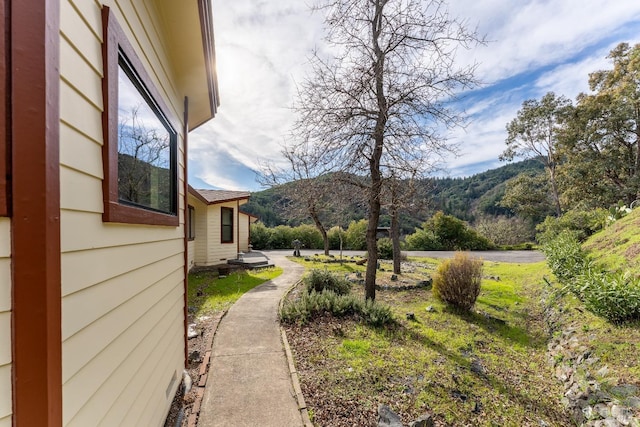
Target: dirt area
{"points": [[185, 407]]}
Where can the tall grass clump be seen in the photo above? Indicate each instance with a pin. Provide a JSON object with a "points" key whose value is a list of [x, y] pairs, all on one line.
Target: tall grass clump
{"points": [[315, 304], [328, 293], [323, 280], [613, 296], [457, 281], [565, 257]]}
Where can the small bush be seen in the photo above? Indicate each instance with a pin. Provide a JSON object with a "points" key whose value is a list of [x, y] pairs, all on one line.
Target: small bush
{"points": [[457, 281], [313, 304], [565, 257], [582, 223], [322, 280], [614, 296], [356, 235], [385, 248]]}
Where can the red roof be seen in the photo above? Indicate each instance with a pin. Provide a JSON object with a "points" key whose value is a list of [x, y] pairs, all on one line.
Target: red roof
{"points": [[219, 196]]}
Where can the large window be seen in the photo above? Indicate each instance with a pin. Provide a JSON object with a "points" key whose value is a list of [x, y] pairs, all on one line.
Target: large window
{"points": [[140, 141], [227, 225]]}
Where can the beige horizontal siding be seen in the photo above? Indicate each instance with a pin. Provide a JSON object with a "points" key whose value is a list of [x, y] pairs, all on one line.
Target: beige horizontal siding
{"points": [[244, 232], [104, 299], [217, 251], [121, 368], [5, 323], [122, 284], [86, 230]]}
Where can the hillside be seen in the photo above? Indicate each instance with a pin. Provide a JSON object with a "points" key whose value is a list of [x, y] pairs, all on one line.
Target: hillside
{"points": [[464, 198], [618, 245]]}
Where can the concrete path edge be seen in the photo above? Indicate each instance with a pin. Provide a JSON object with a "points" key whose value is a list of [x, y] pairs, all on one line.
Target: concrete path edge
{"points": [[295, 380]]}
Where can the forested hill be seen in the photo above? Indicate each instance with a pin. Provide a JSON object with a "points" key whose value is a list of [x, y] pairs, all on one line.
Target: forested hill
{"points": [[464, 198]]}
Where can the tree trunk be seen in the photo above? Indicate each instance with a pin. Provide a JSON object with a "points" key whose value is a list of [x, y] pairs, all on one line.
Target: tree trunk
{"points": [[395, 239], [323, 232], [554, 190], [372, 249], [376, 155]]}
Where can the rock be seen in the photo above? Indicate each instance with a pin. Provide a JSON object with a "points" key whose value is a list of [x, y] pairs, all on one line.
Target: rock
{"points": [[194, 356], [621, 414], [192, 332], [602, 410], [430, 309], [394, 277], [609, 422], [411, 316], [602, 372], [633, 402], [624, 390], [423, 421], [424, 283], [477, 368], [588, 412], [388, 418]]}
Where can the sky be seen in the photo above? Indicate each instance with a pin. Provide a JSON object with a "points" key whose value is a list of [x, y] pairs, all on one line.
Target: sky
{"points": [[263, 49]]}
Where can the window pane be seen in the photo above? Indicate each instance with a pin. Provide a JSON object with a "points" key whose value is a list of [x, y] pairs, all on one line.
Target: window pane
{"points": [[227, 225], [144, 150]]}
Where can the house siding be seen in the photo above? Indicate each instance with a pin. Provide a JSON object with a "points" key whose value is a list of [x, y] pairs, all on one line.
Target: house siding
{"points": [[244, 232], [218, 252], [198, 246], [5, 323], [122, 284]]}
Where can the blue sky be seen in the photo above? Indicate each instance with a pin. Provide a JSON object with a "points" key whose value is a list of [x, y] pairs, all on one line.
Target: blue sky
{"points": [[263, 46]]}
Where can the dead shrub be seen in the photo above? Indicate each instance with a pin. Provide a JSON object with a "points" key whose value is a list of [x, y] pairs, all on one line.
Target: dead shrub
{"points": [[457, 281]]}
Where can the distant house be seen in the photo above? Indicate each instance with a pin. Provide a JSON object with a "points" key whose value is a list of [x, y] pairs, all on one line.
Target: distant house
{"points": [[219, 230], [98, 98]]}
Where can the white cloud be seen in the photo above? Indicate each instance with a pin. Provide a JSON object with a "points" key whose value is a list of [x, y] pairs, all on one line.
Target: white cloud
{"points": [[263, 48]]}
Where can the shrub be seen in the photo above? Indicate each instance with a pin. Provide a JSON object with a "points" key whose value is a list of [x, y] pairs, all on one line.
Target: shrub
{"points": [[309, 236], [260, 236], [356, 235], [457, 281], [385, 248], [581, 223], [445, 232], [505, 231], [334, 235], [313, 304], [565, 257], [616, 296], [422, 240], [322, 280], [281, 237]]}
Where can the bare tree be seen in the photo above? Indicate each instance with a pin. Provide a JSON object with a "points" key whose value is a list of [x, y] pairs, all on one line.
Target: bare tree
{"points": [[311, 195], [377, 106]]}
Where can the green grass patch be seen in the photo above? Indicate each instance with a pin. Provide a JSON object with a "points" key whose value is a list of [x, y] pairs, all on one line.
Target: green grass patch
{"points": [[483, 368], [209, 293]]}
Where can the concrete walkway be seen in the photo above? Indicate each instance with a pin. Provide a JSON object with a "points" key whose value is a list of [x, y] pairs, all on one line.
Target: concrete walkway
{"points": [[249, 382]]}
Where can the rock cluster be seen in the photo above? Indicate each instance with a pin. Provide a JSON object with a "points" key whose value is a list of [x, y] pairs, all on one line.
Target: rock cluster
{"points": [[590, 404], [388, 418]]}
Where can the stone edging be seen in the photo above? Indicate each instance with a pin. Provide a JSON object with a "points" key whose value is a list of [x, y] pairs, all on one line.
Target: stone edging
{"points": [[295, 381], [203, 374]]}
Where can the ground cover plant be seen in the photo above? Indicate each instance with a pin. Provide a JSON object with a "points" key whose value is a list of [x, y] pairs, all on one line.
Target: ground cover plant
{"points": [[483, 368], [209, 293]]}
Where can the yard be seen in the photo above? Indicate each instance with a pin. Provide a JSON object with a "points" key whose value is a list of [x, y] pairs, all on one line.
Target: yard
{"points": [[485, 368]]}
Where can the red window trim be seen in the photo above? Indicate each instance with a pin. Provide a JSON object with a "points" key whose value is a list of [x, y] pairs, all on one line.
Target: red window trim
{"points": [[114, 211], [5, 102]]}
